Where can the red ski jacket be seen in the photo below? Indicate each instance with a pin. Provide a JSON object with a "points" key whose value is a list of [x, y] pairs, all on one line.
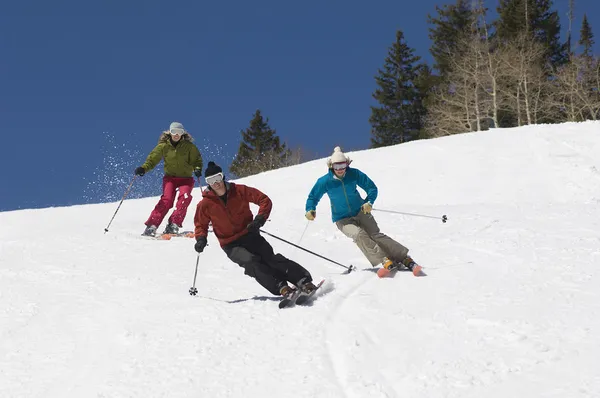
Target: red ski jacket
{"points": [[229, 221]]}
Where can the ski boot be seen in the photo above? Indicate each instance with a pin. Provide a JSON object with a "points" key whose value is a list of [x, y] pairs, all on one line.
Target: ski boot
{"points": [[286, 291], [387, 267], [288, 295], [149, 231], [409, 263], [171, 229], [308, 288]]}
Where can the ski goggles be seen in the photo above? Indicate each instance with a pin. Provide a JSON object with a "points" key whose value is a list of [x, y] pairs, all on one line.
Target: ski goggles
{"points": [[340, 166], [176, 131], [214, 179]]}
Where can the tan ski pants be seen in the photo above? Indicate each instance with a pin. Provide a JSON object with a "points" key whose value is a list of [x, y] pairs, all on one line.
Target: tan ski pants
{"points": [[375, 245]]}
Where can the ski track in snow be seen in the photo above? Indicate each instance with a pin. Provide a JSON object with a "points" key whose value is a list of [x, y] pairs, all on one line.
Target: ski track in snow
{"points": [[509, 307], [528, 342]]}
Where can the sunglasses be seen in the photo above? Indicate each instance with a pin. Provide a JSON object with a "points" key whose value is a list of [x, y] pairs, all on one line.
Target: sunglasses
{"points": [[176, 131], [214, 179], [340, 166]]}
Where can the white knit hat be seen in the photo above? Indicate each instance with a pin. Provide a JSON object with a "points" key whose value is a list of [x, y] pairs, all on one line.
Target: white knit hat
{"points": [[337, 157], [176, 125]]}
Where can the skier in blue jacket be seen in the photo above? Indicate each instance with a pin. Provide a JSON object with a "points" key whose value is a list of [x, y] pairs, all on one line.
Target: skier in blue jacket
{"points": [[352, 214]]}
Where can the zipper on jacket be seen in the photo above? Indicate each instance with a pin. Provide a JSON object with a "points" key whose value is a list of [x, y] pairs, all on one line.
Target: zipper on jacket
{"points": [[225, 205], [346, 196]]}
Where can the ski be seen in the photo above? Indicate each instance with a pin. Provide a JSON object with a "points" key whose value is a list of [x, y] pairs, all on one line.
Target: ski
{"points": [[298, 297], [163, 236], [417, 270], [304, 298], [290, 299]]}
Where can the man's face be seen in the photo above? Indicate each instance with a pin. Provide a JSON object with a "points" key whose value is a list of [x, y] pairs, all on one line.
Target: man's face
{"points": [[216, 181]]}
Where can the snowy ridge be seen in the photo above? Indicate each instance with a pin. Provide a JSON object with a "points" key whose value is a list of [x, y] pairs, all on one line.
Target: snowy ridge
{"points": [[510, 306]]}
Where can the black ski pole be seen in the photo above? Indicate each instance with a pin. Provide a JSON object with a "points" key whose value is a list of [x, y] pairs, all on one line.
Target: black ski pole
{"points": [[443, 217], [348, 269], [118, 207], [193, 290]]}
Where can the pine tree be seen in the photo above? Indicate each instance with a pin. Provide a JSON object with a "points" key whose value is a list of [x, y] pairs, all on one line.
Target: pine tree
{"points": [[536, 18], [451, 24], [425, 82], [586, 38], [260, 149], [399, 118], [571, 15]]}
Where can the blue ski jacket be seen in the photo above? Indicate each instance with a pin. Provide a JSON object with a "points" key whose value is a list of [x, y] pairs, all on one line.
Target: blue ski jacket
{"points": [[343, 195]]}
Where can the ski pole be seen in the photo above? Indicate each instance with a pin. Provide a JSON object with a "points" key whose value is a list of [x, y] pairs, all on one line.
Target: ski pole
{"points": [[443, 217], [118, 207], [303, 232], [193, 290], [348, 269]]}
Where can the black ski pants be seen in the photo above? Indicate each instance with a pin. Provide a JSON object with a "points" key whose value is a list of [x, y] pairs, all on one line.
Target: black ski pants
{"points": [[256, 256]]}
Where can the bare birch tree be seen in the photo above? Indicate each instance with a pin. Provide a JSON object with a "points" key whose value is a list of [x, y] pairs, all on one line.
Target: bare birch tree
{"points": [[577, 89], [464, 101], [525, 86]]}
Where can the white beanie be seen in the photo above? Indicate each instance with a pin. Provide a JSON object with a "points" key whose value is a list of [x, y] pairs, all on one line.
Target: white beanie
{"points": [[176, 125], [338, 156]]}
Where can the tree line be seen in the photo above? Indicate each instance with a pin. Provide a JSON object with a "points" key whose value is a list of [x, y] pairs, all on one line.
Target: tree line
{"points": [[507, 72]]}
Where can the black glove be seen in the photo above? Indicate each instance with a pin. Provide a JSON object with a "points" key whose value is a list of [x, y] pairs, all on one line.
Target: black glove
{"points": [[258, 222], [198, 172], [200, 244], [140, 171]]}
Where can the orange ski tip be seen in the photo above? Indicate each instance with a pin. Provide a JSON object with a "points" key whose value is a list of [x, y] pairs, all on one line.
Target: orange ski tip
{"points": [[417, 270], [165, 237], [382, 272]]}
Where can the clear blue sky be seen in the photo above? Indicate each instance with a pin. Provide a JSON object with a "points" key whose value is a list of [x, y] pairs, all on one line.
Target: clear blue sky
{"points": [[86, 87]]}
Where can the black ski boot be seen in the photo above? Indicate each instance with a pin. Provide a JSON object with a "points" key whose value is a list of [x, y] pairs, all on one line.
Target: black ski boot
{"points": [[171, 228], [149, 231]]}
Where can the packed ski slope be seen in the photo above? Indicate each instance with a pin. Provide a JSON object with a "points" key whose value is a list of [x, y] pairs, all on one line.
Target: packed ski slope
{"points": [[510, 305]]}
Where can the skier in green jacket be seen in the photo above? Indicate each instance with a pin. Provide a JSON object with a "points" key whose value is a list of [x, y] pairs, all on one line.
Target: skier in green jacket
{"points": [[182, 158]]}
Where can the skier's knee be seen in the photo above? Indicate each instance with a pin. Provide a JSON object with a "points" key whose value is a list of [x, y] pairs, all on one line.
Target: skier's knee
{"points": [[242, 256], [280, 257], [361, 236]]}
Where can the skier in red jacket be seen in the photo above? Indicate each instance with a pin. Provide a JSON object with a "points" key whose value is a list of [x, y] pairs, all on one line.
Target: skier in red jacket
{"points": [[227, 206]]}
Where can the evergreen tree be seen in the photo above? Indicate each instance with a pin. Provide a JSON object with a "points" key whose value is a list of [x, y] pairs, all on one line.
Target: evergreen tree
{"points": [[571, 15], [451, 24], [399, 116], [425, 83], [260, 149], [536, 18], [586, 38]]}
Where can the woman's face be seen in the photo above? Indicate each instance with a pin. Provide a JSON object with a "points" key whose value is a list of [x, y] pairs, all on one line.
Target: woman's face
{"points": [[176, 134]]}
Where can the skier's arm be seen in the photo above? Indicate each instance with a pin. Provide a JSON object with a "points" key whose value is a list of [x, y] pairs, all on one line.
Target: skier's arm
{"points": [[315, 195], [258, 198], [201, 221], [368, 185], [154, 157], [195, 157]]}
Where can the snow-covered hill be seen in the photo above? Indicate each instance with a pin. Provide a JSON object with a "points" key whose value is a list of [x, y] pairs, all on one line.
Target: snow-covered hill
{"points": [[510, 305]]}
